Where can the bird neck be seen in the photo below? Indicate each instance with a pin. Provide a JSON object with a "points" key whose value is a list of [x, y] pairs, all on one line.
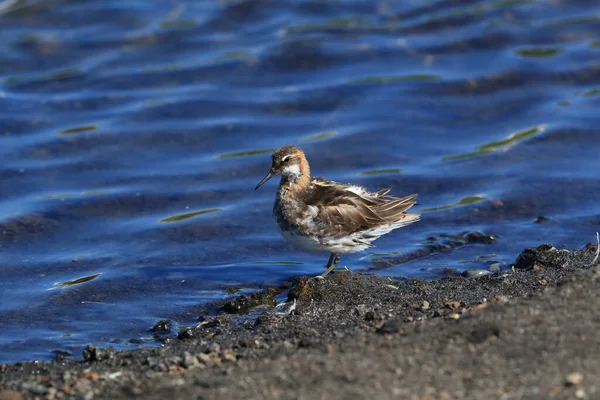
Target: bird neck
{"points": [[297, 177]]}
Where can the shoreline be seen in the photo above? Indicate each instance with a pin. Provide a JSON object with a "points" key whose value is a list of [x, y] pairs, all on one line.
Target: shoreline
{"points": [[527, 333]]}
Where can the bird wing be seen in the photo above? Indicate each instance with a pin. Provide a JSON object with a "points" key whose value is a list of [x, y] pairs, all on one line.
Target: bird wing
{"points": [[345, 209]]}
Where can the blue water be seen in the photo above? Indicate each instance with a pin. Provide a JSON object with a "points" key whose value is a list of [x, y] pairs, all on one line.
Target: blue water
{"points": [[132, 134]]}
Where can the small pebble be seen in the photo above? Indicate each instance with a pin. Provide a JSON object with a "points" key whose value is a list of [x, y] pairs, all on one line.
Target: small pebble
{"points": [[205, 358], [537, 266], [574, 378], [501, 299], [453, 305], [475, 273], [227, 355], [189, 360]]}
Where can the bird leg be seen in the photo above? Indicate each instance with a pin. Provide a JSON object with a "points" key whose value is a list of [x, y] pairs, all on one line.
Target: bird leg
{"points": [[334, 260], [330, 260]]}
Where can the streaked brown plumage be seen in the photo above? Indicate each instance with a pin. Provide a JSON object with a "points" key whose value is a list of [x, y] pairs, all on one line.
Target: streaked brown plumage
{"points": [[321, 215]]}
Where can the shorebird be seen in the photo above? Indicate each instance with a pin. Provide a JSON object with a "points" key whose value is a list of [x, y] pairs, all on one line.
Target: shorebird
{"points": [[317, 214]]}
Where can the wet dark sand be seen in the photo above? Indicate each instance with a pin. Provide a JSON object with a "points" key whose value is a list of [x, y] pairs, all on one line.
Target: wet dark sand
{"points": [[530, 333]]}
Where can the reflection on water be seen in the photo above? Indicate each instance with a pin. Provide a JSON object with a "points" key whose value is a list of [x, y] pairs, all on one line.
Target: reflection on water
{"points": [[132, 135]]}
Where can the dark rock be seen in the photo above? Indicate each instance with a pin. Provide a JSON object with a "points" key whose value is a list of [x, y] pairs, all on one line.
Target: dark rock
{"points": [[307, 289], [161, 327], [206, 329], [92, 353], [302, 289], [478, 237], [370, 316], [529, 257], [243, 304], [189, 332], [591, 247], [390, 326], [60, 355], [483, 332], [208, 323], [305, 343], [543, 255], [541, 219], [548, 257], [449, 271]]}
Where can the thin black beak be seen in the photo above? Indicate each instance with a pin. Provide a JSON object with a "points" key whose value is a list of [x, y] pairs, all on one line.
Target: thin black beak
{"points": [[266, 178]]}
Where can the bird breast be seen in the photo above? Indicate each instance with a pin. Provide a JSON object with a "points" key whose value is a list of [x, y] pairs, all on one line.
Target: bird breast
{"points": [[294, 215]]}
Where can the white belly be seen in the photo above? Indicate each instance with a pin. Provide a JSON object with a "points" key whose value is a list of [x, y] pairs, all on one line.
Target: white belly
{"points": [[338, 246], [304, 242]]}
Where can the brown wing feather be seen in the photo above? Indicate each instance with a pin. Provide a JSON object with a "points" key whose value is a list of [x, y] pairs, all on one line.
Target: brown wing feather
{"points": [[347, 212], [393, 209], [383, 192]]}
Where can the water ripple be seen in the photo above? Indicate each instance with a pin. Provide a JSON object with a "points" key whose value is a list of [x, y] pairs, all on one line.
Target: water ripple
{"points": [[133, 134]]}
